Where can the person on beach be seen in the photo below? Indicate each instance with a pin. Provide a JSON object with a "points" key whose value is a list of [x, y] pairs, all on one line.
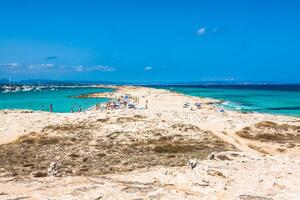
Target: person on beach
{"points": [[147, 104]]}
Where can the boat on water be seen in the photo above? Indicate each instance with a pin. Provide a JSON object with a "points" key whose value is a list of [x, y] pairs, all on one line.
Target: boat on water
{"points": [[6, 89], [38, 88], [11, 89], [26, 88], [16, 89]]}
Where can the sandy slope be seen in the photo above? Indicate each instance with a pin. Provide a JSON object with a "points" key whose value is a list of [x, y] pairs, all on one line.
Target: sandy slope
{"points": [[224, 125], [274, 176], [271, 177]]}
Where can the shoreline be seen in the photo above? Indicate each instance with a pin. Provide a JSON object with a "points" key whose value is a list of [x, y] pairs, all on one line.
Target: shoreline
{"points": [[220, 101], [211, 103], [216, 102], [116, 88], [130, 153], [64, 97]]}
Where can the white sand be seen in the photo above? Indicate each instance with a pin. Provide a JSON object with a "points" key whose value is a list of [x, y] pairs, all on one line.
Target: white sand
{"points": [[275, 176]]}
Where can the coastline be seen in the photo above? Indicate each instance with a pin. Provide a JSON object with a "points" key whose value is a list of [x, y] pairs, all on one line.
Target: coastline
{"points": [[165, 123], [282, 101], [214, 101], [61, 100]]}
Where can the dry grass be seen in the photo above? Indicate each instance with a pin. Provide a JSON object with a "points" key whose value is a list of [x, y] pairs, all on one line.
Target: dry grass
{"points": [[35, 138], [185, 127], [273, 125], [291, 145], [281, 150], [260, 136], [258, 149], [103, 120], [65, 127], [245, 134], [270, 131], [178, 147], [79, 153], [126, 119], [139, 116]]}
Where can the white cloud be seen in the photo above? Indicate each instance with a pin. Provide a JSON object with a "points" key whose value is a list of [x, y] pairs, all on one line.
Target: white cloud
{"points": [[10, 66], [45, 66], [229, 79], [148, 68], [78, 68], [102, 68], [201, 31], [207, 31]]}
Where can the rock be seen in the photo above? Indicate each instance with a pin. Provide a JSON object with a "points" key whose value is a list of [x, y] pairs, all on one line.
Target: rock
{"points": [[218, 156], [193, 163], [52, 170], [215, 173], [211, 156]]}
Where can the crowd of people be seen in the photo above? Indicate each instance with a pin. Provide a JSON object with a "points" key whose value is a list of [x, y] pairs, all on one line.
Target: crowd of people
{"points": [[121, 102]]}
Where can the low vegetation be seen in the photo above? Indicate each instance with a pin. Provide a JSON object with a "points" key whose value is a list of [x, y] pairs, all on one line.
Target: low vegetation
{"points": [[271, 132], [258, 149], [79, 152]]}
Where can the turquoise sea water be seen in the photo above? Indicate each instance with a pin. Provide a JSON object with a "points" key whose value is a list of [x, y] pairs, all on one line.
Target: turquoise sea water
{"points": [[275, 99], [61, 99]]}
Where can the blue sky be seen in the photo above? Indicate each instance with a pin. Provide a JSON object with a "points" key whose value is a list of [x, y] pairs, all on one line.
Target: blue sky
{"points": [[150, 41]]}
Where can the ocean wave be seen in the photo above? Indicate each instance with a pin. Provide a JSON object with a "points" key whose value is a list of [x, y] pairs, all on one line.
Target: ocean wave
{"points": [[233, 105]]}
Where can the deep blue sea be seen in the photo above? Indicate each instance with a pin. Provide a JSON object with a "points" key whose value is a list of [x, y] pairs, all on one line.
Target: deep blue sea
{"points": [[60, 98], [275, 99]]}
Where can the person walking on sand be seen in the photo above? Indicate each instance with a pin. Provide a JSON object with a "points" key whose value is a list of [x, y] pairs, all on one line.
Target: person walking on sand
{"points": [[146, 104]]}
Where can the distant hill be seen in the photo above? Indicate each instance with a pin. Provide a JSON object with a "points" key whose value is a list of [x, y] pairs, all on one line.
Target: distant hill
{"points": [[67, 82], [4, 82], [56, 82], [76, 82]]}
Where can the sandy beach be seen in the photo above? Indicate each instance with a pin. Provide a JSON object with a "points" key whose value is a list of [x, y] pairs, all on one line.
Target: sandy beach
{"points": [[160, 150]]}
